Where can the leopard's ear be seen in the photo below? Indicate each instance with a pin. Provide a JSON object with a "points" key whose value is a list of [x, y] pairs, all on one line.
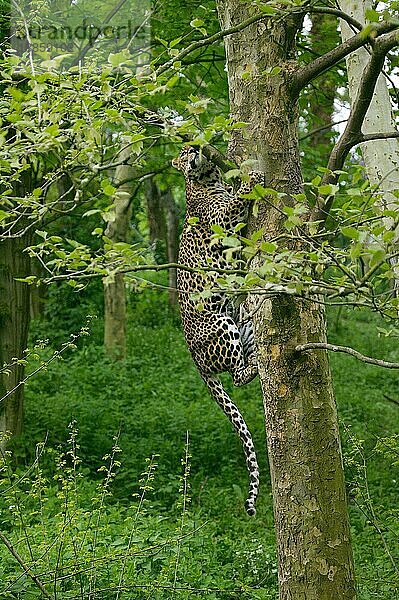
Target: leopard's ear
{"points": [[196, 157]]}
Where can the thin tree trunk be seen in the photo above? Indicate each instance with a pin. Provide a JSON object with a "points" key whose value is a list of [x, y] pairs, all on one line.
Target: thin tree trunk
{"points": [[14, 326], [155, 211], [163, 219], [38, 293], [310, 507], [114, 287], [322, 96], [172, 228], [381, 157]]}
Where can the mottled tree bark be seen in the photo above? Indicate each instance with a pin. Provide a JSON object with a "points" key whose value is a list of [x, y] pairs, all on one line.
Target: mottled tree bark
{"points": [[14, 326], [310, 506]]}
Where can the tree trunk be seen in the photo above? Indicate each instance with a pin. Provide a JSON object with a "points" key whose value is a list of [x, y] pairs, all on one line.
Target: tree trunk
{"points": [[381, 157], [38, 293], [114, 286], [172, 228], [155, 211], [163, 222], [310, 507], [14, 326], [323, 35]]}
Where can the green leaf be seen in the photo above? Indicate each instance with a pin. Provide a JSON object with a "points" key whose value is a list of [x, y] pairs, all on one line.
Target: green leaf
{"points": [[272, 71], [107, 188], [268, 247], [231, 242], [327, 190], [257, 235], [354, 192], [372, 15], [232, 173], [299, 197], [350, 232], [267, 10], [197, 23], [88, 213], [173, 80], [175, 42], [31, 279], [52, 130], [119, 58], [218, 229]]}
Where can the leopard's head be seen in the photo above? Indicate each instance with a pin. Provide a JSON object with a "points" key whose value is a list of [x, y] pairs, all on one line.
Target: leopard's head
{"points": [[195, 166]]}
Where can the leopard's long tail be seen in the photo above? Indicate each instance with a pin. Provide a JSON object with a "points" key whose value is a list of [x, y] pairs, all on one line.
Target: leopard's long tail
{"points": [[219, 394]]}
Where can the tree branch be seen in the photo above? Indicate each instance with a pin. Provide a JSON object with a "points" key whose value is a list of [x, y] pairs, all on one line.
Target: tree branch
{"points": [[382, 135], [391, 399], [26, 568], [322, 128], [209, 40], [312, 70], [351, 351], [352, 134], [327, 10]]}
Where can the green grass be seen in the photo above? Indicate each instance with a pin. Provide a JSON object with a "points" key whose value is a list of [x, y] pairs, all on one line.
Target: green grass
{"points": [[153, 398]]}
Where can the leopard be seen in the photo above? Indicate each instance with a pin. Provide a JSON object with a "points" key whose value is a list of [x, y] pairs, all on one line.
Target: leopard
{"points": [[218, 330]]}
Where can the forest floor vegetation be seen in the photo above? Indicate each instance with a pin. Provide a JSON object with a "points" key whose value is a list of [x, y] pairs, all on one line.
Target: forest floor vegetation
{"points": [[129, 483]]}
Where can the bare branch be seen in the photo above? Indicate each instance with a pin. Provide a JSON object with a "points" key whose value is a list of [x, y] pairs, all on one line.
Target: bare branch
{"points": [[312, 70], [327, 10], [25, 567], [382, 135], [347, 350], [209, 40], [391, 399], [322, 128]]}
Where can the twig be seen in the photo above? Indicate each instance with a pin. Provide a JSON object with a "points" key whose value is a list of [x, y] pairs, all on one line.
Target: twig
{"points": [[66, 346], [391, 399], [327, 10], [25, 567], [322, 128], [209, 40], [351, 351]]}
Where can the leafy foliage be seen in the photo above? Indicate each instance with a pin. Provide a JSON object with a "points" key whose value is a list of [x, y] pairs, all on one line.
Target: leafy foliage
{"points": [[85, 517]]}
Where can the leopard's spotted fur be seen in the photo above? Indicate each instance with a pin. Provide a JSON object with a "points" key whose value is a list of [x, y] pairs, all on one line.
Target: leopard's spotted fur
{"points": [[219, 336]]}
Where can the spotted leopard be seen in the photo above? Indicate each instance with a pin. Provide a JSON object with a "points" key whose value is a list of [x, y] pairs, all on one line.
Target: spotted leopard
{"points": [[219, 336]]}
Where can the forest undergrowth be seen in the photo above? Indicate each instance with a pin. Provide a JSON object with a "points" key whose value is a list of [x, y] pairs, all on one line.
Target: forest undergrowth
{"points": [[129, 483]]}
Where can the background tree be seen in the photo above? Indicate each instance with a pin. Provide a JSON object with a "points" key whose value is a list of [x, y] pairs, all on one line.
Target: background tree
{"points": [[118, 231], [381, 156]]}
